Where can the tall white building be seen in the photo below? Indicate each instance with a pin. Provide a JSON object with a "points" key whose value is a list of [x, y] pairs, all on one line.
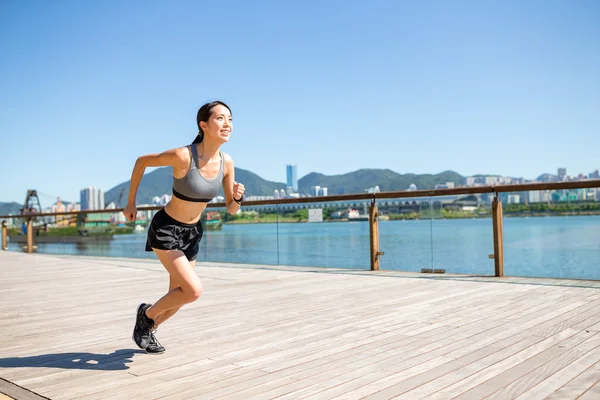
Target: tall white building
{"points": [[514, 199], [161, 200], [534, 196], [91, 198]]}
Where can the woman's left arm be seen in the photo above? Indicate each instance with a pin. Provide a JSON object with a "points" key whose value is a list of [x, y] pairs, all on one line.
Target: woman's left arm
{"points": [[234, 191]]}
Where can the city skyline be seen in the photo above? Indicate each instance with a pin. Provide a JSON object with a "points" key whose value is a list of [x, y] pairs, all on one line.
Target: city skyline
{"points": [[472, 180]]}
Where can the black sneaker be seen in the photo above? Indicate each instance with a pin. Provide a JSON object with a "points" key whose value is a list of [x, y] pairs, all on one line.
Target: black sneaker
{"points": [[154, 346], [143, 325]]}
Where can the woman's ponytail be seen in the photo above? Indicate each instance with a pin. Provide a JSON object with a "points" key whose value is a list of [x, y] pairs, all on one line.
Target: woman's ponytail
{"points": [[199, 138]]}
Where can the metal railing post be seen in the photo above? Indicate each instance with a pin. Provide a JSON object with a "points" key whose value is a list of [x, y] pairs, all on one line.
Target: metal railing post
{"points": [[30, 235], [498, 240], [374, 236], [4, 236]]}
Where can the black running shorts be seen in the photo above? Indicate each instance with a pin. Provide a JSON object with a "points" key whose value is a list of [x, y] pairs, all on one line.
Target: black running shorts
{"points": [[166, 233]]}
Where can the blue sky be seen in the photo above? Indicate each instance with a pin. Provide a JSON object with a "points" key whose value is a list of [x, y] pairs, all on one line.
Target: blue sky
{"points": [[495, 87]]}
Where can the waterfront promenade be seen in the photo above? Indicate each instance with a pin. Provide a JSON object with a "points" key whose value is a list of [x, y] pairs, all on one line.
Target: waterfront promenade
{"points": [[290, 333]]}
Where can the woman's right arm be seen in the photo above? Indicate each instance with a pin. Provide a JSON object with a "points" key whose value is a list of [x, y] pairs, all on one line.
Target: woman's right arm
{"points": [[177, 158]]}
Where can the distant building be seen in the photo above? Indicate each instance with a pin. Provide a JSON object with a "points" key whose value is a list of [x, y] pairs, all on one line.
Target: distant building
{"points": [[514, 199], [323, 191], [314, 190], [258, 198], [534, 196], [91, 198], [374, 189], [492, 180], [161, 200], [292, 177], [472, 180], [276, 194], [118, 218], [412, 188], [74, 207], [447, 185], [58, 208], [562, 174]]}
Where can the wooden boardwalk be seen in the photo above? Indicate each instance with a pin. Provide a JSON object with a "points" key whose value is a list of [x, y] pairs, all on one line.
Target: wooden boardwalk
{"points": [[261, 332]]}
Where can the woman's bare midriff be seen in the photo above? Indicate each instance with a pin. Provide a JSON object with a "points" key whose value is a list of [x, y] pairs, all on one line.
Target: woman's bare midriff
{"points": [[187, 212]]}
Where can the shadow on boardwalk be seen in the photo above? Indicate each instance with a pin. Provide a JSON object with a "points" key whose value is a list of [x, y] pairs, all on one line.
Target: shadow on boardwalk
{"points": [[117, 360]]}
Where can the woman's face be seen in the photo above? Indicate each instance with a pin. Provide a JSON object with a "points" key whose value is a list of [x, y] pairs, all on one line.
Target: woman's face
{"points": [[219, 125]]}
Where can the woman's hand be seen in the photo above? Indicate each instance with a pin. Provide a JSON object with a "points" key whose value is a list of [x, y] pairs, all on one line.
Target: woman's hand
{"points": [[238, 191], [130, 212]]}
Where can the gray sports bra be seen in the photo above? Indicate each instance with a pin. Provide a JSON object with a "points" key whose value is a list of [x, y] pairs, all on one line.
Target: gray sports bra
{"points": [[193, 186]]}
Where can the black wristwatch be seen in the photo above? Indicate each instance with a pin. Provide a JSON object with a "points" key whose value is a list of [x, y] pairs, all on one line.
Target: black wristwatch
{"points": [[239, 201]]}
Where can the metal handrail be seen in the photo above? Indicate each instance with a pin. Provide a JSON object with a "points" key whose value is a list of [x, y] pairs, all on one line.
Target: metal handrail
{"points": [[586, 184]]}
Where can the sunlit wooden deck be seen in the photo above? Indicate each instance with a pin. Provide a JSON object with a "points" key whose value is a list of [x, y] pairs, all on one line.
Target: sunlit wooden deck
{"points": [[269, 332]]}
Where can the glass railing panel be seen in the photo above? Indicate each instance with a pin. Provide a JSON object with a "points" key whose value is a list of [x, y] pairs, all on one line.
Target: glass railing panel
{"points": [[405, 234], [248, 237], [553, 234], [462, 234], [105, 234], [324, 234]]}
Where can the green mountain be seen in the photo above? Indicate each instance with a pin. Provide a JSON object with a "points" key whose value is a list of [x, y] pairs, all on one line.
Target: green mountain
{"points": [[160, 181], [387, 180], [10, 208]]}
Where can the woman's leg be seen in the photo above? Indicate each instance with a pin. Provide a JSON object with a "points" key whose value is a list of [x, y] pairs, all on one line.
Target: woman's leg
{"points": [[189, 287], [169, 313]]}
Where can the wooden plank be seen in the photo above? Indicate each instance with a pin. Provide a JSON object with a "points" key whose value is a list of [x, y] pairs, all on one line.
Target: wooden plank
{"points": [[558, 380], [262, 332], [592, 393], [480, 374], [526, 366], [9, 390], [580, 384], [426, 384]]}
